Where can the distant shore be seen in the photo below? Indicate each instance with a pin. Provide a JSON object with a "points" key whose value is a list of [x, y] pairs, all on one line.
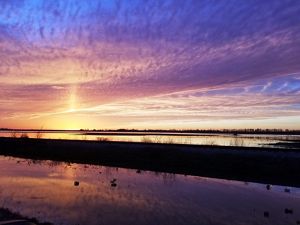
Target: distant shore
{"points": [[263, 165], [164, 132]]}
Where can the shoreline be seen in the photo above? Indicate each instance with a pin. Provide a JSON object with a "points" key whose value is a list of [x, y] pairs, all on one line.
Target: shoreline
{"points": [[261, 165], [7, 215], [196, 132]]}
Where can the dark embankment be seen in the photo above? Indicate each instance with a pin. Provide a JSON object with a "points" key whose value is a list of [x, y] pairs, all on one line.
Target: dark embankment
{"points": [[7, 216], [264, 165], [290, 144]]}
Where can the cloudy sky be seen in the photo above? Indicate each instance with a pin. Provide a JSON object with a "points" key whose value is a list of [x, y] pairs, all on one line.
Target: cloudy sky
{"points": [[150, 64]]}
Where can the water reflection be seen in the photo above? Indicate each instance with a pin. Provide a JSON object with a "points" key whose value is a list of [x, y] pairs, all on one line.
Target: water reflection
{"points": [[46, 190], [250, 140]]}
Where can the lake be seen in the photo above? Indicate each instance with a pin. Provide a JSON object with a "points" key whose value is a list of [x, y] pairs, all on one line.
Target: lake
{"points": [[46, 190], [249, 140]]}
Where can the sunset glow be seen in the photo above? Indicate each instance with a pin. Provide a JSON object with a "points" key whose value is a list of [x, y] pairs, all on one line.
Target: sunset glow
{"points": [[149, 64]]}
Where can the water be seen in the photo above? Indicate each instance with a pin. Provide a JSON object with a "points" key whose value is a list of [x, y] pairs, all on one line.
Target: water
{"points": [[45, 190], [249, 140]]}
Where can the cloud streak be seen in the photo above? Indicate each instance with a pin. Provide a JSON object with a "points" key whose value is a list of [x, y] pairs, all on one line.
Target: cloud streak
{"points": [[106, 53]]}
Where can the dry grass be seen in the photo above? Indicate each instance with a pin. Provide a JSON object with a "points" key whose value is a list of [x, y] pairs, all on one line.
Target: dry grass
{"points": [[169, 140], [39, 135], [24, 135], [211, 142], [237, 142], [157, 139], [146, 140], [103, 139], [13, 134]]}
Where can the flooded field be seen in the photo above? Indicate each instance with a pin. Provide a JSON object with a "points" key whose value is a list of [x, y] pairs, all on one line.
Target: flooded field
{"points": [[249, 140], [63, 193]]}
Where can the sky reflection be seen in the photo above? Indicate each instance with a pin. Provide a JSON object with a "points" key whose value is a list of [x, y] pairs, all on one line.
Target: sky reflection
{"points": [[46, 190]]}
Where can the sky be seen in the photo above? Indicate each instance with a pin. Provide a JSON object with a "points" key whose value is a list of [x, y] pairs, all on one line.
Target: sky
{"points": [[108, 64]]}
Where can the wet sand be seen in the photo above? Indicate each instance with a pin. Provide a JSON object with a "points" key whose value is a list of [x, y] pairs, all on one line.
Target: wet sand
{"points": [[262, 165]]}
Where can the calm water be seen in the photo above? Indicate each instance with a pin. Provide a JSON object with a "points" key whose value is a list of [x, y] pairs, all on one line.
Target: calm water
{"points": [[46, 190], [198, 139]]}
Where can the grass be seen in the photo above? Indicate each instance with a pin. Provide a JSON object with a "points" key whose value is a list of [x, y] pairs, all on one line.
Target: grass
{"points": [[237, 142], [13, 134], [146, 140], [24, 135], [159, 140], [103, 139], [39, 134], [169, 140]]}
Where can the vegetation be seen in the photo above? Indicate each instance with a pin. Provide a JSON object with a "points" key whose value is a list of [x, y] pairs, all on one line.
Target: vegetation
{"points": [[212, 131], [103, 139], [13, 134], [146, 140], [39, 134], [24, 135]]}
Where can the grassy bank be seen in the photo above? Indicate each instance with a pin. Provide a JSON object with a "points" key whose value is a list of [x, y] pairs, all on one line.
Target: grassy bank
{"points": [[264, 165]]}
